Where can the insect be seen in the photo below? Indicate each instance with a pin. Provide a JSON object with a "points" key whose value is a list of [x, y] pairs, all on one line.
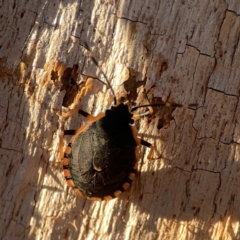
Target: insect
{"points": [[100, 160]]}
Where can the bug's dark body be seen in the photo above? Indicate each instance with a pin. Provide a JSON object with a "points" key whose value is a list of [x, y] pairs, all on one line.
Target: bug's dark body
{"points": [[108, 145], [101, 158]]}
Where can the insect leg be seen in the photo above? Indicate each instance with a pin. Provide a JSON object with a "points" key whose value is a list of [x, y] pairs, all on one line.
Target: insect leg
{"points": [[67, 114], [137, 116], [85, 114], [69, 132], [83, 128], [149, 145], [62, 131], [61, 145], [142, 142], [90, 117]]}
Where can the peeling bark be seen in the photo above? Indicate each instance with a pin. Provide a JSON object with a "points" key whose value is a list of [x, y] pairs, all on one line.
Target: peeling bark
{"points": [[175, 51]]}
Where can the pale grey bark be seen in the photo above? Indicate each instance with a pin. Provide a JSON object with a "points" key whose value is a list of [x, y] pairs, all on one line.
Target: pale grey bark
{"points": [[176, 51]]}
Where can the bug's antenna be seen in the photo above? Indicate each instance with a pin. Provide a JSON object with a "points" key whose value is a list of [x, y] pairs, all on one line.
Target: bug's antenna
{"points": [[104, 75], [165, 104]]}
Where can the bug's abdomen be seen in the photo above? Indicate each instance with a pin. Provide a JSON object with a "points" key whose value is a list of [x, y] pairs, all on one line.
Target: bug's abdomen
{"points": [[99, 166]]}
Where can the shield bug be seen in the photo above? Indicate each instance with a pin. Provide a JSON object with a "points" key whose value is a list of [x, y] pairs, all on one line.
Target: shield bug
{"points": [[100, 160]]}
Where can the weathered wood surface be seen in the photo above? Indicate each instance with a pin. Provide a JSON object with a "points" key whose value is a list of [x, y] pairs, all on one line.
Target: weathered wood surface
{"points": [[178, 51]]}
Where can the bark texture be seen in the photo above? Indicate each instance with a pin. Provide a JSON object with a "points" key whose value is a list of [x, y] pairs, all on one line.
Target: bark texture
{"points": [[175, 51]]}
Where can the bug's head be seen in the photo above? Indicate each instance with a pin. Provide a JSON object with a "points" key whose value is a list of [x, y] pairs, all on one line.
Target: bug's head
{"points": [[120, 113], [124, 108]]}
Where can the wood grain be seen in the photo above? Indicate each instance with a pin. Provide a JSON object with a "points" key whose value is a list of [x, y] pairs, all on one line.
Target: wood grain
{"points": [[175, 51]]}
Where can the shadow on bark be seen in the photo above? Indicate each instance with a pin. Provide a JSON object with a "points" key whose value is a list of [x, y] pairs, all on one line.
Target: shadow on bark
{"points": [[199, 186]]}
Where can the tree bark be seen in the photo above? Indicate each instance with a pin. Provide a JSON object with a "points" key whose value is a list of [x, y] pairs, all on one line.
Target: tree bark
{"points": [[175, 51]]}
